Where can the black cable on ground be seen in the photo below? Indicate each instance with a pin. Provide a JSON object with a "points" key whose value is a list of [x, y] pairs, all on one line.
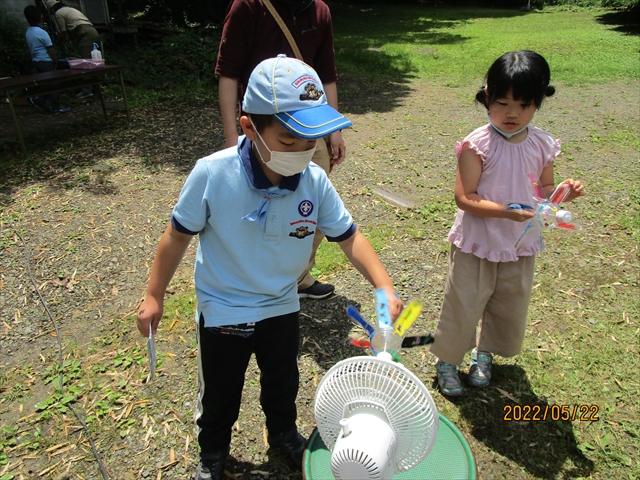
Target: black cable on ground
{"points": [[105, 476]]}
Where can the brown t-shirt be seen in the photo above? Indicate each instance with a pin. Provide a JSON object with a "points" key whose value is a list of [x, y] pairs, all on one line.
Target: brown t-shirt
{"points": [[251, 35]]}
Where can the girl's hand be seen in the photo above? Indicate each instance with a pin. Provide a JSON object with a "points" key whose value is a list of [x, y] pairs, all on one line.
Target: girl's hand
{"points": [[149, 312], [519, 215], [577, 189]]}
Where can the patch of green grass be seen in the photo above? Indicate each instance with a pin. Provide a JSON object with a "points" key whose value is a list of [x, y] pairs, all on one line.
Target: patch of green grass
{"points": [[456, 46], [330, 258], [439, 209]]}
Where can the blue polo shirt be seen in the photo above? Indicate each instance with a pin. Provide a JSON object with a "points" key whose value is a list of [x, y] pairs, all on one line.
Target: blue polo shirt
{"points": [[255, 238], [38, 41]]}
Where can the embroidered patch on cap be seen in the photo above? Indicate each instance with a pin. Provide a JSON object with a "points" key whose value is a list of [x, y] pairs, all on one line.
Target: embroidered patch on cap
{"points": [[311, 92]]}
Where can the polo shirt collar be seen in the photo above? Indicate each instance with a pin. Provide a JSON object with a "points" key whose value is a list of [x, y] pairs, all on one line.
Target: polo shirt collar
{"points": [[256, 176]]}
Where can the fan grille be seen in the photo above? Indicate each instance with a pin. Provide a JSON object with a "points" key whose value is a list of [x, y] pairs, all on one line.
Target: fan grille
{"points": [[373, 382]]}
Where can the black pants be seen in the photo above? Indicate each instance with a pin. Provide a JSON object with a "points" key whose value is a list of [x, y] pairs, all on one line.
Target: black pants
{"points": [[222, 363], [42, 67]]}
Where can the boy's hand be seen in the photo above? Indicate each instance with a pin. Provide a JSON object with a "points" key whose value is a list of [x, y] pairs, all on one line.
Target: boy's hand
{"points": [[149, 311], [394, 302], [577, 189]]}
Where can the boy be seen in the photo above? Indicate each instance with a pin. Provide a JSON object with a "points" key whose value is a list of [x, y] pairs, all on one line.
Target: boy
{"points": [[251, 34], [43, 55], [256, 207]]}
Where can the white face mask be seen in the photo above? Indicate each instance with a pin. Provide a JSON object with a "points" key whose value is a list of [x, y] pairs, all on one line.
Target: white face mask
{"points": [[505, 134], [285, 163]]}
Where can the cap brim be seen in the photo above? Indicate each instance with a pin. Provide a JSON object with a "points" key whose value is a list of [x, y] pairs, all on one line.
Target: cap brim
{"points": [[312, 123]]}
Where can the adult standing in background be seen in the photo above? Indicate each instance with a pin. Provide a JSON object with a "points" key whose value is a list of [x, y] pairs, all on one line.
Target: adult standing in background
{"points": [[250, 35], [74, 26]]}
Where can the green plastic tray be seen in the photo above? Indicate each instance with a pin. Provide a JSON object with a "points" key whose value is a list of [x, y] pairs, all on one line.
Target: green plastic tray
{"points": [[450, 458]]}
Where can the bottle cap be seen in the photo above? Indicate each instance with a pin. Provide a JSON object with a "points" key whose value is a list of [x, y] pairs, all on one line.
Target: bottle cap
{"points": [[385, 356], [564, 216]]}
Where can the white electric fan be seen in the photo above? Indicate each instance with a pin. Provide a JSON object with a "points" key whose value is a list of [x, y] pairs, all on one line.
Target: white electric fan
{"points": [[376, 418]]}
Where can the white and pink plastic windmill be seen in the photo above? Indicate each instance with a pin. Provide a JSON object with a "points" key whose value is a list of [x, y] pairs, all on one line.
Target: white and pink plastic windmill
{"points": [[548, 212]]}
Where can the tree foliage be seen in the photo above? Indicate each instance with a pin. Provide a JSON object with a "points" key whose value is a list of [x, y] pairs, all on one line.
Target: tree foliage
{"points": [[14, 54]]}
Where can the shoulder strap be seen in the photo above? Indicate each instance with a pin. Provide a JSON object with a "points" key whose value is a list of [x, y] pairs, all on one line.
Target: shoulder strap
{"points": [[284, 28]]}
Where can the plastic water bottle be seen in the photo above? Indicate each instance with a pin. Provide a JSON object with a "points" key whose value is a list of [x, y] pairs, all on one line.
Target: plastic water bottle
{"points": [[386, 342], [96, 54], [548, 215]]}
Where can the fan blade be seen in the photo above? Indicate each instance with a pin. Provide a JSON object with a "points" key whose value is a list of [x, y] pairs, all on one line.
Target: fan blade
{"points": [[359, 343], [407, 317], [382, 308], [417, 341], [354, 315], [518, 206], [526, 229], [560, 193], [569, 226], [538, 191]]}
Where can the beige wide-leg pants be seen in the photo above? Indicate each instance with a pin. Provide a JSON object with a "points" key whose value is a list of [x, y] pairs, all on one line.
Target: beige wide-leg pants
{"points": [[496, 294]]}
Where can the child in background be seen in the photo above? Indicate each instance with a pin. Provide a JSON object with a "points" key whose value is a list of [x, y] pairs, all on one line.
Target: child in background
{"points": [[43, 56], [489, 279], [256, 207]]}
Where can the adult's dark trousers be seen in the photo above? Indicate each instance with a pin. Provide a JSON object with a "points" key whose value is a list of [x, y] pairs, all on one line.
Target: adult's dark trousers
{"points": [[222, 363]]}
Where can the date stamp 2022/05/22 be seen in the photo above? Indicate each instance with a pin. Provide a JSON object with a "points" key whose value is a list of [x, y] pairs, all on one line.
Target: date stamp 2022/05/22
{"points": [[538, 413]]}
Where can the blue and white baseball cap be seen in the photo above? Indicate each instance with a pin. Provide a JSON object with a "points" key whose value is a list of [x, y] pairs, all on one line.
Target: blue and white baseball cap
{"points": [[292, 92]]}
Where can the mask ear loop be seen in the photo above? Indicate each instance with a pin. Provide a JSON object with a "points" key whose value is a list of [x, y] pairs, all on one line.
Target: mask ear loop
{"points": [[262, 140]]}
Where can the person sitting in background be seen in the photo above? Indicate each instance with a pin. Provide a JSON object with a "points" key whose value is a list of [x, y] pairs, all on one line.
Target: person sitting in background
{"points": [[74, 26], [43, 56]]}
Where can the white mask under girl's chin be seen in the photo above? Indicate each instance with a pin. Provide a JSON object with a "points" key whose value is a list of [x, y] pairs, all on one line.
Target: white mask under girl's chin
{"points": [[505, 134], [285, 163]]}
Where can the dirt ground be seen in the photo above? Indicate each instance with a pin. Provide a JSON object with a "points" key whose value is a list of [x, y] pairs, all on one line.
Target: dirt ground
{"points": [[91, 208]]}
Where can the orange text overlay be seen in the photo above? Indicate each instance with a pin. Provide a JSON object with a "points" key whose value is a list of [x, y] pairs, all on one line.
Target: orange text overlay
{"points": [[538, 413]]}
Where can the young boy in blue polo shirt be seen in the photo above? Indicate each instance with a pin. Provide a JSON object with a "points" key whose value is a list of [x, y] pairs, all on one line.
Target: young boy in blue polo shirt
{"points": [[43, 56], [256, 208]]}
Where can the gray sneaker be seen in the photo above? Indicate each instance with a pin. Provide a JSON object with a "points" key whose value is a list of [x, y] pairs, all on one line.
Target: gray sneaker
{"points": [[211, 466], [448, 379], [480, 371]]}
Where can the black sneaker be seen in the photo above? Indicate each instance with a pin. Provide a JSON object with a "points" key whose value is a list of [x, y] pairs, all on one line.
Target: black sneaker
{"points": [[291, 444], [317, 290], [211, 466]]}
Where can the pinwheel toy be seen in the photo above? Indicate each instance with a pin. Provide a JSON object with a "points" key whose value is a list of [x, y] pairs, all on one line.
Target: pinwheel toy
{"points": [[548, 212]]}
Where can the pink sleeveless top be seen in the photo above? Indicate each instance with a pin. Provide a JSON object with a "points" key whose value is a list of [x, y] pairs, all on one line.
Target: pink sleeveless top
{"points": [[504, 179]]}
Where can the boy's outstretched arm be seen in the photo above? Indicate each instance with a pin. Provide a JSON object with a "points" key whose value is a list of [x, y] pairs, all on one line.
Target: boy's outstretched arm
{"points": [[362, 256], [171, 249]]}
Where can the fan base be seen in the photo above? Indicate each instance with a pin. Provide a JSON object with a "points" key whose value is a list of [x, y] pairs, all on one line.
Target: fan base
{"points": [[451, 457]]}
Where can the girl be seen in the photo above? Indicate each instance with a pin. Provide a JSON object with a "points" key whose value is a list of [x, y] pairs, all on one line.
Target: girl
{"points": [[489, 278]]}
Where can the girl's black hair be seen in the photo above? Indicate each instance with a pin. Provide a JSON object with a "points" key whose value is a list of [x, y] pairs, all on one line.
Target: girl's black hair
{"points": [[523, 73]]}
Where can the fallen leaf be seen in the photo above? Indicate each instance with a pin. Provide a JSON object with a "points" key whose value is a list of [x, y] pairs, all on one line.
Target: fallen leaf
{"points": [[508, 395]]}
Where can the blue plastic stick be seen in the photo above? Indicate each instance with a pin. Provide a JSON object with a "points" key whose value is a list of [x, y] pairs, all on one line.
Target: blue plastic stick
{"points": [[354, 315], [382, 308]]}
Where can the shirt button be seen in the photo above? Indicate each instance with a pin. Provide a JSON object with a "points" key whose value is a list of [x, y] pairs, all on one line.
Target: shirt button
{"points": [[273, 218]]}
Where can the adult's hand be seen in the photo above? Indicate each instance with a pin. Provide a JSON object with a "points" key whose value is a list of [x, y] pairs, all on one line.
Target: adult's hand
{"points": [[338, 148]]}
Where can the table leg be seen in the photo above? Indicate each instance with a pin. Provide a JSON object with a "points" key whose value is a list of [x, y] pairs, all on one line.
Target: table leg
{"points": [[16, 123], [104, 107], [124, 96]]}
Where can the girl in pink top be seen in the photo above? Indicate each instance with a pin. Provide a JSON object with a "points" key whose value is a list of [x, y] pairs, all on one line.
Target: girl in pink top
{"points": [[490, 279]]}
